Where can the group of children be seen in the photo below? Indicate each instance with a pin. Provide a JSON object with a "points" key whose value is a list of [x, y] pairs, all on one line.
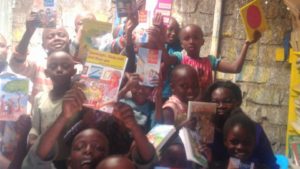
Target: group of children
{"points": [[65, 134]]}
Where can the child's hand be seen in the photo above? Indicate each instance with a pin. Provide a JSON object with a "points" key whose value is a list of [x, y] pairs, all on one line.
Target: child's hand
{"points": [[133, 80], [72, 101], [158, 20], [23, 125], [32, 21], [206, 151], [156, 38], [131, 23], [256, 37], [125, 115]]}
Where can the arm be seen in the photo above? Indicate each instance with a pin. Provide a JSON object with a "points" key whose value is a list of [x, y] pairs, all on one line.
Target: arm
{"points": [[168, 116], [144, 148], [133, 80], [72, 104], [237, 65], [130, 25]]}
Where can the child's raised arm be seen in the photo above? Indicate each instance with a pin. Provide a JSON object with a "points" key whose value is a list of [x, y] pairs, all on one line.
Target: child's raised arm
{"points": [[133, 80], [237, 65], [72, 104], [124, 114]]}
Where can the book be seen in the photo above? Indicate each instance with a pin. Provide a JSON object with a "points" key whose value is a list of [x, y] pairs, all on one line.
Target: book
{"points": [[191, 141], [47, 12], [295, 149], [102, 75], [148, 65], [160, 134], [203, 114], [235, 163], [160, 6], [13, 96], [126, 8], [253, 18]]}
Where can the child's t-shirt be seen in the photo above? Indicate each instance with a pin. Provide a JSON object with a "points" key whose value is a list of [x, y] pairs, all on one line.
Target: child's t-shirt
{"points": [[179, 108]]}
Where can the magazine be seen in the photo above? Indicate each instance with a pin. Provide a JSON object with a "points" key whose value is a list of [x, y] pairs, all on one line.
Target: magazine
{"points": [[160, 6], [126, 8], [148, 65], [203, 114], [14, 96], [102, 75], [191, 142], [160, 134], [235, 163], [253, 18], [47, 13]]}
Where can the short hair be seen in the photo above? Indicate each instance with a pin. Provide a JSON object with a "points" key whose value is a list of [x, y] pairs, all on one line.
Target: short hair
{"points": [[242, 120], [191, 25], [178, 68], [234, 88]]}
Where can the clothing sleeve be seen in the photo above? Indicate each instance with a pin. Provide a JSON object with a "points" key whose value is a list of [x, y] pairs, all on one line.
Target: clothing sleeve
{"points": [[36, 117], [33, 161], [214, 61], [140, 164], [264, 150]]}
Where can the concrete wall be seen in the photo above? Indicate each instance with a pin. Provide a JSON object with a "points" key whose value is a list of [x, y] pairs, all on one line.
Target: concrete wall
{"points": [[264, 81]]}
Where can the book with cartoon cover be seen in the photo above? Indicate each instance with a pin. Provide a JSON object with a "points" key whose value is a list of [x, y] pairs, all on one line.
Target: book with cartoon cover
{"points": [[160, 6], [203, 114], [13, 96], [148, 65], [102, 75], [47, 12]]}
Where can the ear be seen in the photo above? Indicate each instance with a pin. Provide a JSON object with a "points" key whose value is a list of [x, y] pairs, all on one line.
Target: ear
{"points": [[202, 41]]}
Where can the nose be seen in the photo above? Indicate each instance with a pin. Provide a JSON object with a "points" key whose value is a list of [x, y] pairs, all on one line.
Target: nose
{"points": [[88, 150], [59, 69]]}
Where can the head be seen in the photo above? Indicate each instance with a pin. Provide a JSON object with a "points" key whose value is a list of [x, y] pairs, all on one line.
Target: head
{"points": [[116, 162], [82, 16], [184, 83], [239, 136], [3, 49], [227, 95], [55, 39], [191, 38], [89, 147], [174, 156], [173, 29], [60, 68], [141, 93]]}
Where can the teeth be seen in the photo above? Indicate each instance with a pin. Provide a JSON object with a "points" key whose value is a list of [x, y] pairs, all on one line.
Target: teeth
{"points": [[86, 162]]}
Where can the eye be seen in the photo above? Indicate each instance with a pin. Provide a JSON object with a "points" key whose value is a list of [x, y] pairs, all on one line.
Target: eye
{"points": [[50, 36], [52, 66], [78, 146], [98, 147], [66, 65], [61, 34], [235, 141]]}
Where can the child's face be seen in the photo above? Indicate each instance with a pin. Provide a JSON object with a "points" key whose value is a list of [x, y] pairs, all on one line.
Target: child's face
{"points": [[239, 143], [174, 157], [191, 40], [3, 49], [60, 68], [55, 39], [185, 86], [116, 163], [140, 93], [172, 31], [225, 102], [88, 149]]}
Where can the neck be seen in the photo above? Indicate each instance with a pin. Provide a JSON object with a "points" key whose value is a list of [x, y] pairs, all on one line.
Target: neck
{"points": [[59, 91]]}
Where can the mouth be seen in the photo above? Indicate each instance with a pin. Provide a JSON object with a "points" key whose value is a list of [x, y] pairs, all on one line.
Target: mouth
{"points": [[86, 163], [58, 45], [240, 155]]}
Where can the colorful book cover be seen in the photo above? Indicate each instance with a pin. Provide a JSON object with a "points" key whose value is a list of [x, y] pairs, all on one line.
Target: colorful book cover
{"points": [[14, 96], [203, 114], [253, 18], [148, 65], [160, 6], [235, 163], [191, 141], [295, 149], [160, 134], [47, 12], [102, 75], [126, 8]]}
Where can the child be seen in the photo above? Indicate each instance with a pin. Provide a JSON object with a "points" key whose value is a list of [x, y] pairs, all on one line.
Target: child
{"points": [[185, 87], [142, 106], [191, 38], [116, 162], [48, 105], [239, 139], [53, 40], [228, 97]]}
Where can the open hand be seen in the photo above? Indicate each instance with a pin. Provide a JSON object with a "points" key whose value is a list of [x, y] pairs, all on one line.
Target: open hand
{"points": [[125, 115], [256, 37]]}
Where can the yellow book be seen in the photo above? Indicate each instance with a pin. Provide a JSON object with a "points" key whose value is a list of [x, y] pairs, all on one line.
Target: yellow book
{"points": [[253, 18]]}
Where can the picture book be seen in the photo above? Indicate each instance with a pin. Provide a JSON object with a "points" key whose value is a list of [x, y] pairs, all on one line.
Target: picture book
{"points": [[160, 134], [126, 8], [203, 114], [148, 65], [47, 12], [295, 149], [102, 75], [190, 142], [160, 6], [235, 163], [253, 18], [14, 96]]}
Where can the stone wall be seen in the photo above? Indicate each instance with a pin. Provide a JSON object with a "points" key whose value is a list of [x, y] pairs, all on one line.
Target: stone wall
{"points": [[264, 82]]}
